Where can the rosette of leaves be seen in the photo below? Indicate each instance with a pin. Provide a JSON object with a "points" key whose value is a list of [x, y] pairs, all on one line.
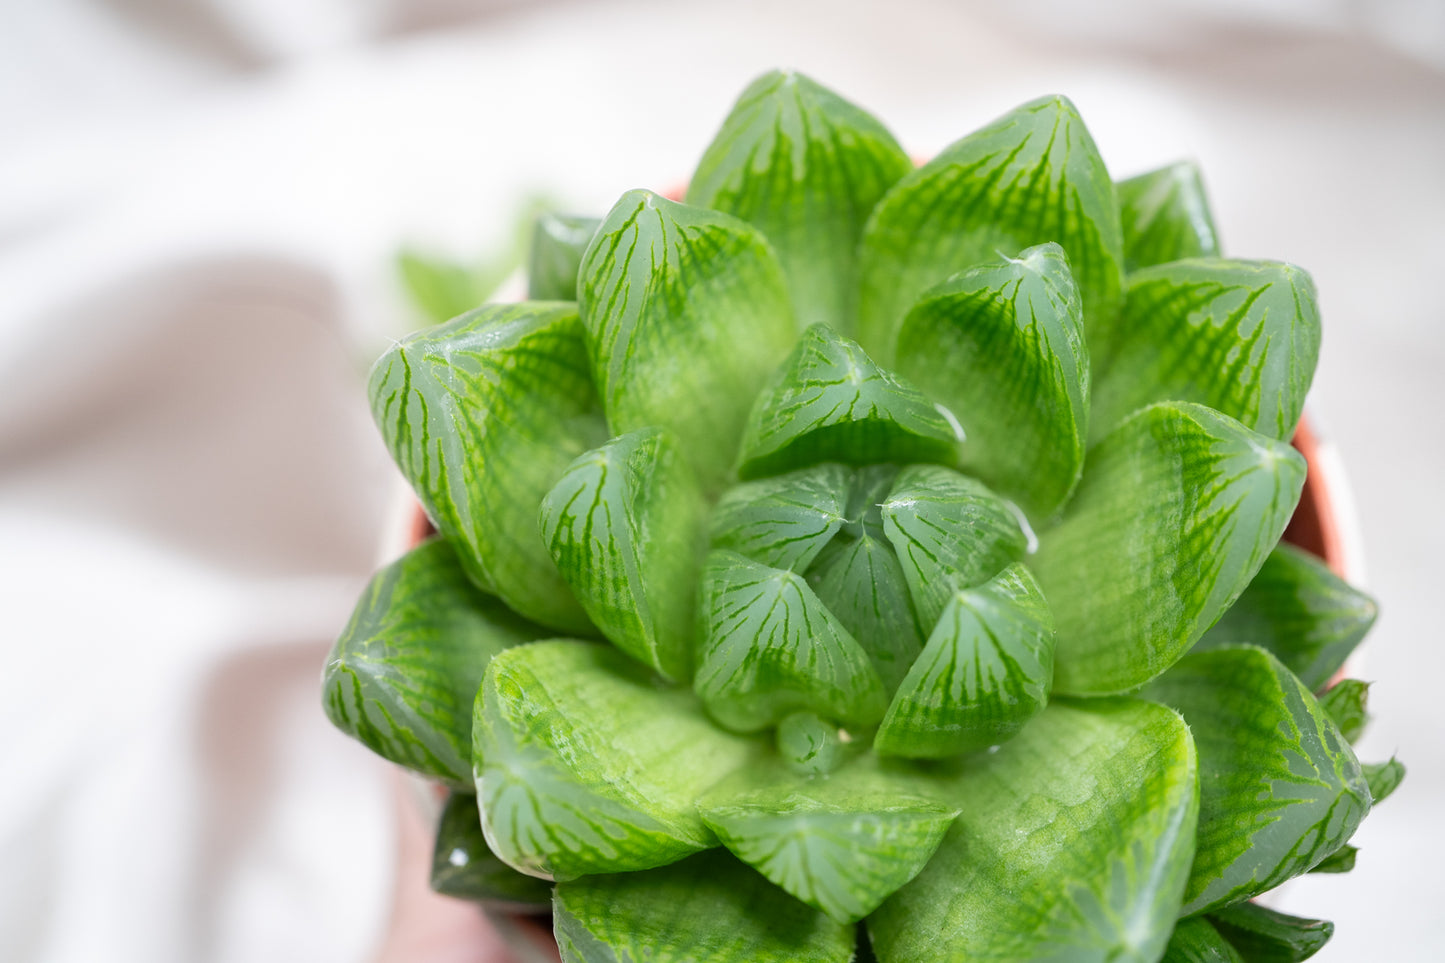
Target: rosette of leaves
{"points": [[858, 557]]}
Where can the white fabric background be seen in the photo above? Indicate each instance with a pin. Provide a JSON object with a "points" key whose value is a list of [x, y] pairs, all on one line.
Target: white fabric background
{"points": [[199, 202]]}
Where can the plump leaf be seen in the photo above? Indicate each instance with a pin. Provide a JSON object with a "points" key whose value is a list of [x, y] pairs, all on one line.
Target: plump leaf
{"points": [[402, 676], [463, 867], [1074, 842], [1341, 860], [1197, 941], [985, 672], [1346, 703], [1030, 177], [950, 533], [770, 648], [706, 909], [558, 242], [1165, 215], [626, 526], [1179, 507], [687, 314], [1264, 936], [482, 416], [829, 402], [1308, 616], [843, 844], [1383, 778], [1241, 337], [585, 765], [805, 167], [784, 521], [1279, 787], [809, 744], [1001, 346]]}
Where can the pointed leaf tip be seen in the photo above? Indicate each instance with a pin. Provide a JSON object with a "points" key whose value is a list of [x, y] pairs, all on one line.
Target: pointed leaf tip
{"points": [[1165, 216]]}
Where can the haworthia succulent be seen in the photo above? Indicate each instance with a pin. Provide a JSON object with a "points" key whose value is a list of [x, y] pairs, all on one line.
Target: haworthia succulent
{"points": [[482, 415], [770, 648], [810, 744], [1308, 616], [783, 521], [402, 676], [1165, 216], [830, 402], [1195, 940], [1279, 787], [1345, 701], [950, 532], [1383, 778], [626, 526], [1178, 510], [463, 867], [1265, 936], [1239, 336], [1341, 860], [805, 167], [1074, 842], [558, 242], [1001, 346], [585, 765], [1030, 177], [704, 909], [682, 303], [986, 671]]}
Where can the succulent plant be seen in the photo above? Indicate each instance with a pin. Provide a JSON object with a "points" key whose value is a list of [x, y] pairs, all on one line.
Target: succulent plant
{"points": [[863, 543]]}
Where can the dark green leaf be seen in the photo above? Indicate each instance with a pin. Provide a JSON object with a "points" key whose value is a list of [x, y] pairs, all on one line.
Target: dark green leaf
{"points": [[1264, 936], [1030, 177], [1279, 787], [810, 745], [1196, 941], [1165, 216], [403, 674], [709, 908], [1308, 616], [1341, 860], [805, 167], [1346, 702], [687, 314], [558, 241], [1001, 346], [1178, 509], [463, 866], [626, 526], [784, 521], [483, 415], [1383, 778]]}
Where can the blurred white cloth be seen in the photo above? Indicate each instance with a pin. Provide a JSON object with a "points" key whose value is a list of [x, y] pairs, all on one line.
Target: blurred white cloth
{"points": [[199, 203]]}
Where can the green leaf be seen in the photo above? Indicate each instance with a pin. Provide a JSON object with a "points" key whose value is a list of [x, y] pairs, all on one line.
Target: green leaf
{"points": [[950, 533], [1345, 701], [810, 745], [687, 314], [482, 416], [1179, 507], [1341, 860], [770, 648], [829, 402], [1279, 787], [402, 676], [783, 521], [843, 844], [626, 526], [706, 909], [985, 672], [1308, 616], [463, 867], [1074, 842], [442, 289], [1197, 941], [1165, 216], [805, 167], [585, 765], [558, 241], [1383, 778], [1265, 936], [1001, 346], [1241, 337], [1030, 177]]}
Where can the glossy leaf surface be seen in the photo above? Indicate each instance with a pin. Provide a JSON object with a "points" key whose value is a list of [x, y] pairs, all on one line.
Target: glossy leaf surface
{"points": [[626, 526], [1264, 936], [464, 868], [687, 314], [1178, 509], [1280, 788], [558, 242], [1345, 702], [705, 909], [1165, 216], [482, 415], [805, 167], [1001, 346], [584, 764], [1074, 842], [1341, 860], [809, 744], [1383, 778], [402, 676], [1195, 940], [1030, 177], [783, 521]]}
